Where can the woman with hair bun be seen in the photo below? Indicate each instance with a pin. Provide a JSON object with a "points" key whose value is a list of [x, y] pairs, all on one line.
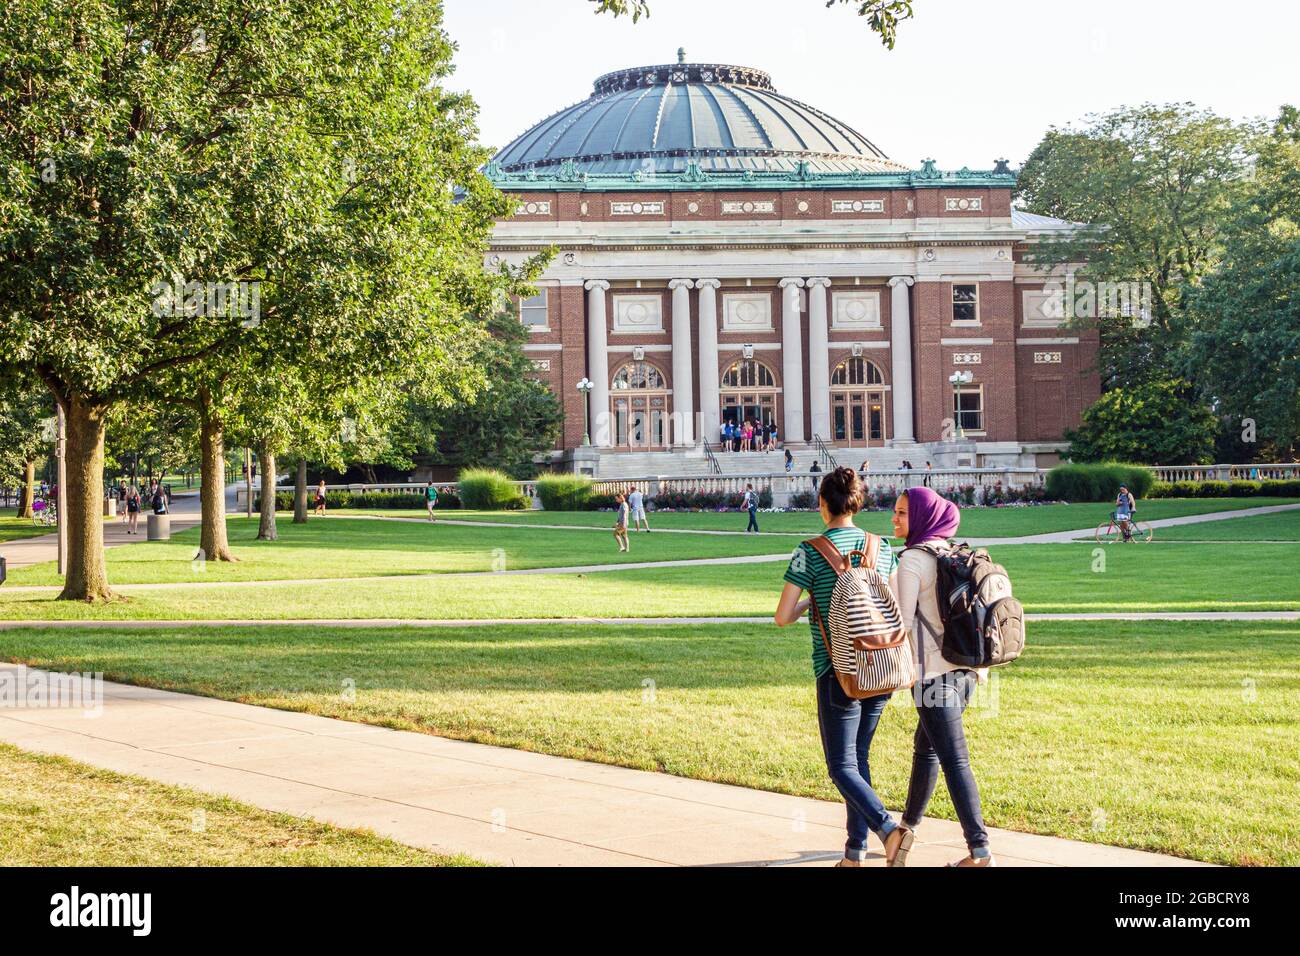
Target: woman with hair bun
{"points": [[847, 725]]}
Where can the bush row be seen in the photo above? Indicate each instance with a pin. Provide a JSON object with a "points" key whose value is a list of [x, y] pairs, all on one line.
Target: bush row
{"points": [[1097, 482], [1289, 488], [489, 490], [364, 499]]}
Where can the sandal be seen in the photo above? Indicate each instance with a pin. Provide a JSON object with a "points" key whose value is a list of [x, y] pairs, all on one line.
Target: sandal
{"points": [[905, 840]]}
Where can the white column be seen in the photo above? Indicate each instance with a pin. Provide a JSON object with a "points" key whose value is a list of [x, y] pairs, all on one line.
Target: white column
{"points": [[900, 325], [791, 363], [819, 358], [710, 399], [683, 387], [598, 362]]}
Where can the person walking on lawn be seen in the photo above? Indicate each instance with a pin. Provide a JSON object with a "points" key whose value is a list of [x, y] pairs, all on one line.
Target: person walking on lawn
{"points": [[620, 524], [430, 499], [320, 497], [636, 504], [847, 724], [926, 521], [751, 505]]}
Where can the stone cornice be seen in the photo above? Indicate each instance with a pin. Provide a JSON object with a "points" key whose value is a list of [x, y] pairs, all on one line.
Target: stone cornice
{"points": [[566, 177]]}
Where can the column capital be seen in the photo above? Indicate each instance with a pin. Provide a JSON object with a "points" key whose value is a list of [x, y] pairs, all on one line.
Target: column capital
{"points": [[676, 284], [708, 283], [787, 283], [894, 282], [600, 284], [821, 282]]}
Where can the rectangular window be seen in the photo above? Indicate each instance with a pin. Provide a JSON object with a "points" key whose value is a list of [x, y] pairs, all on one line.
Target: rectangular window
{"points": [[965, 302], [532, 311], [968, 408]]}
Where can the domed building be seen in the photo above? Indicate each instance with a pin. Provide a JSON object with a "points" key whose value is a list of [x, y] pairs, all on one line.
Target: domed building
{"points": [[727, 253]]}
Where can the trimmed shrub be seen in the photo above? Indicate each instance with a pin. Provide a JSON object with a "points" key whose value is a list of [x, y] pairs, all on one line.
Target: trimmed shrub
{"points": [[804, 501], [1212, 489], [1097, 482], [564, 492], [489, 490], [1245, 489]]}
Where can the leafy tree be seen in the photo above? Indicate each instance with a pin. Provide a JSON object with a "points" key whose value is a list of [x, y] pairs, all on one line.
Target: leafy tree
{"points": [[883, 15], [1155, 423], [1151, 184], [508, 422], [1244, 350], [302, 147], [24, 410]]}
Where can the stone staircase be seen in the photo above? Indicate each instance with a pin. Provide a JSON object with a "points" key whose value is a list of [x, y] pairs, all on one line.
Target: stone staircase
{"points": [[692, 462]]}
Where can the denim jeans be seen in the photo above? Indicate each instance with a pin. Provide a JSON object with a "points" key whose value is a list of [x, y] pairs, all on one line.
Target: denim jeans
{"points": [[940, 741], [753, 520], [847, 726]]}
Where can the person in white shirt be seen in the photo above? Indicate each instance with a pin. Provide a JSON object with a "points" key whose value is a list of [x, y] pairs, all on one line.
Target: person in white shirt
{"points": [[942, 689], [636, 501]]}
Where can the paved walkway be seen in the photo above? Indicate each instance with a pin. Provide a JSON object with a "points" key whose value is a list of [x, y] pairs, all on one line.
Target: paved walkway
{"points": [[369, 622], [1049, 538], [502, 805], [184, 513]]}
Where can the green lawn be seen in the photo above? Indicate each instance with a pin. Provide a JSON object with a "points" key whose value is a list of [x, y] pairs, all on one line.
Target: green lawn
{"points": [[359, 546], [976, 522], [1169, 737], [58, 812], [13, 528], [1047, 578], [1282, 526]]}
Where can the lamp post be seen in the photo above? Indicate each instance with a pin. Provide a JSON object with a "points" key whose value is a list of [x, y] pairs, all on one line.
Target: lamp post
{"points": [[958, 379], [584, 387]]}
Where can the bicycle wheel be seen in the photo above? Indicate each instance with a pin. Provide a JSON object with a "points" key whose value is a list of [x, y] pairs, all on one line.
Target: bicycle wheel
{"points": [[1107, 533], [1142, 532]]}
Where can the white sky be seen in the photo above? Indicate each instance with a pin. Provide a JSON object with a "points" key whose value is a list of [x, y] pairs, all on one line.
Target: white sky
{"points": [[968, 81]]}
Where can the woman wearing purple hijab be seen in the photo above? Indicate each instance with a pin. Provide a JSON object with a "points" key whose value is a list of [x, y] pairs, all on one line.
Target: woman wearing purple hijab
{"points": [[926, 520]]}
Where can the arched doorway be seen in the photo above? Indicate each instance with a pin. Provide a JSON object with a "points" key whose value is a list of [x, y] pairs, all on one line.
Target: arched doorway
{"points": [[748, 391], [638, 398], [858, 403]]}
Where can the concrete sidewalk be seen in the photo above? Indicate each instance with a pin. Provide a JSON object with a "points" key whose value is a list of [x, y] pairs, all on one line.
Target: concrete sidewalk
{"points": [[502, 805], [156, 624], [28, 551]]}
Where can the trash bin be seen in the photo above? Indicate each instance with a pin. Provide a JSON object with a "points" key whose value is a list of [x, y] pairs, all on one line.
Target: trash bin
{"points": [[160, 528], [110, 507]]}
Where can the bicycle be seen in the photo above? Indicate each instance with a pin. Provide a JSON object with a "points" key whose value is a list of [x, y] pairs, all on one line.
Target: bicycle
{"points": [[1123, 529], [44, 513]]}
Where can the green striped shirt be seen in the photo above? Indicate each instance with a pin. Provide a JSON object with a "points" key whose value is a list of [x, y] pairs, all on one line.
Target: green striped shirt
{"points": [[809, 571]]}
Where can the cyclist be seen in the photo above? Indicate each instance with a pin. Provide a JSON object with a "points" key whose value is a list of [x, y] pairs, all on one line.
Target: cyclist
{"points": [[1125, 506]]}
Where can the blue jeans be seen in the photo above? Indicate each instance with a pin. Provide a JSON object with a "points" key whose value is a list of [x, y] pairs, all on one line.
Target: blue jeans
{"points": [[940, 741], [847, 726], [753, 520]]}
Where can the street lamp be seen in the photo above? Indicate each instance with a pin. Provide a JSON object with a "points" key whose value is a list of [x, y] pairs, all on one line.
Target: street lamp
{"points": [[958, 379], [585, 386]]}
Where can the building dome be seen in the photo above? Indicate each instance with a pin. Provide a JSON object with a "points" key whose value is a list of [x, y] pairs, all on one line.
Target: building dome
{"points": [[659, 119]]}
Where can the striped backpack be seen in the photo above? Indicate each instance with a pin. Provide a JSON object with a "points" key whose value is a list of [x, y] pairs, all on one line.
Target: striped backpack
{"points": [[867, 643]]}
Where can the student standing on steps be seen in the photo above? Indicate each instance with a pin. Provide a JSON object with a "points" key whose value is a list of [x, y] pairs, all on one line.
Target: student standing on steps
{"points": [[943, 689], [847, 724]]}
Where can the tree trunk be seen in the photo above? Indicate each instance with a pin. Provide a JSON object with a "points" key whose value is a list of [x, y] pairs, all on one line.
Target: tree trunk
{"points": [[29, 490], [87, 577], [266, 526], [300, 493], [212, 493]]}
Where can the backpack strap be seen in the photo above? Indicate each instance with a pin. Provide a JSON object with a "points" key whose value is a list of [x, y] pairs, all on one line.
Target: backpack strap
{"points": [[839, 562]]}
